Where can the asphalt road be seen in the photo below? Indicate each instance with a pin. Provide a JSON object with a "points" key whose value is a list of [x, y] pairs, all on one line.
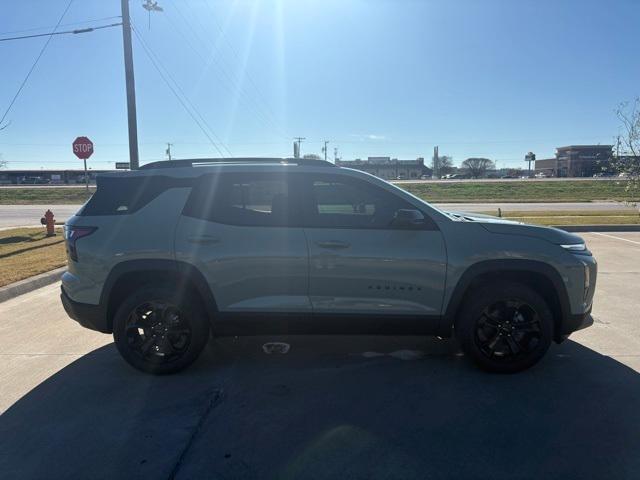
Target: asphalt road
{"points": [[333, 407], [468, 180], [25, 215]]}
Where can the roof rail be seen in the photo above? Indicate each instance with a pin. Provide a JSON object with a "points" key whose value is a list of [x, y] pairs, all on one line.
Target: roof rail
{"points": [[213, 161]]}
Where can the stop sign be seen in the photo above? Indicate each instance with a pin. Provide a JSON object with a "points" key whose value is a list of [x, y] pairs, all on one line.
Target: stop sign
{"points": [[82, 147]]}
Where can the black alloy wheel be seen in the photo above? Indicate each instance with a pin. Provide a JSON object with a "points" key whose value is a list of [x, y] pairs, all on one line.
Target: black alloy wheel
{"points": [[157, 331], [508, 330], [160, 330], [504, 327]]}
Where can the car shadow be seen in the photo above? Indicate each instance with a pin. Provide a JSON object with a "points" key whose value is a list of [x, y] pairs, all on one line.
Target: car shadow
{"points": [[332, 407]]}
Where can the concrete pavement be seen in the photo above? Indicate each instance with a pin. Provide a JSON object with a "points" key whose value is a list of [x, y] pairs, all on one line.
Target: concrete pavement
{"points": [[333, 407]]}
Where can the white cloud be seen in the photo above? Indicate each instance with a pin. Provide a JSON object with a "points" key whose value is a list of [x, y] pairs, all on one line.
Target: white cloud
{"points": [[368, 136]]}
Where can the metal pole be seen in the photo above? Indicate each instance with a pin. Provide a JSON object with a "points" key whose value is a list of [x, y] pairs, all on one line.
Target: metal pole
{"points": [[86, 176], [131, 87], [299, 141]]}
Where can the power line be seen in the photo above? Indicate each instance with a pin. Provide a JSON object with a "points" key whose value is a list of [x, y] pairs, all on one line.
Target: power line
{"points": [[89, 20], [228, 73], [184, 95], [237, 55], [75, 32], [269, 114], [42, 50], [175, 93]]}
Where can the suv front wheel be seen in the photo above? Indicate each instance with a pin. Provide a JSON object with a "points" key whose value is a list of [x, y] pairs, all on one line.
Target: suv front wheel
{"points": [[159, 331], [505, 327]]}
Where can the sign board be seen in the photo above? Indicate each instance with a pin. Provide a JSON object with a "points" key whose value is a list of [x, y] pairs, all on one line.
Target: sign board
{"points": [[82, 147], [123, 166]]}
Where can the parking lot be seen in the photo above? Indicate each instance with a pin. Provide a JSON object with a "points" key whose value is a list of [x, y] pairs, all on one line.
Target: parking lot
{"points": [[332, 407]]}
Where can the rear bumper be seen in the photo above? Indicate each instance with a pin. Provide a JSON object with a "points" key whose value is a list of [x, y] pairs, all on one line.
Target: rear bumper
{"points": [[89, 316]]}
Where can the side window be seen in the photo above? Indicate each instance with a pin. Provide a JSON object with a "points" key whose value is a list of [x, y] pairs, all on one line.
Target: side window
{"points": [[341, 202], [126, 195], [244, 199]]}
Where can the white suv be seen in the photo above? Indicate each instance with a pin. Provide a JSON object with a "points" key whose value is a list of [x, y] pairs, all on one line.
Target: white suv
{"points": [[165, 256]]}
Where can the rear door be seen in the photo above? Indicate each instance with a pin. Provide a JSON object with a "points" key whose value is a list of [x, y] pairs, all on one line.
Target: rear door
{"points": [[237, 230], [359, 262]]}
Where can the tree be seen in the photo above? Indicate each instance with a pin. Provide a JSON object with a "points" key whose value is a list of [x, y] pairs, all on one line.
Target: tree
{"points": [[626, 162], [446, 164], [312, 156], [477, 166], [3, 163], [442, 165]]}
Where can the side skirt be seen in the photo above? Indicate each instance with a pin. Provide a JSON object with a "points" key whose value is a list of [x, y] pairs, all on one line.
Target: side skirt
{"points": [[242, 324]]}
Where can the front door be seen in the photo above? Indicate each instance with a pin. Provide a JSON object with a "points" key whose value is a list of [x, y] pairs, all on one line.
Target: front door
{"points": [[359, 262]]}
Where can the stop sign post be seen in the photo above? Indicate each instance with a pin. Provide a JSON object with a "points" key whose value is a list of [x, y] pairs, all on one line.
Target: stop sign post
{"points": [[83, 148]]}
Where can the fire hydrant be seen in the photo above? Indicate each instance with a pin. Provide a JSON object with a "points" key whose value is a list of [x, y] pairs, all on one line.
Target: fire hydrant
{"points": [[50, 224]]}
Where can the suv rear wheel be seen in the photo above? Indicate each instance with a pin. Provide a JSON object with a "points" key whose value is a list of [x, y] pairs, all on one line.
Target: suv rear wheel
{"points": [[505, 327], [159, 331]]}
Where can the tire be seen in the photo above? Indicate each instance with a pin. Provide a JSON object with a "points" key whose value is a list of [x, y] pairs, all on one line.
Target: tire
{"points": [[504, 327], [159, 331]]}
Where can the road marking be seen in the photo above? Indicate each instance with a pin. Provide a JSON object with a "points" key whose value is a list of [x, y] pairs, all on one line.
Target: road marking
{"points": [[617, 238]]}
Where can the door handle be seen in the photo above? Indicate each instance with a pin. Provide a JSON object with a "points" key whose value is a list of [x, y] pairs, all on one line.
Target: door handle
{"points": [[203, 239], [333, 244]]}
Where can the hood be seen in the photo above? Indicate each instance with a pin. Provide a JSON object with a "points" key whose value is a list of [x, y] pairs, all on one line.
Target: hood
{"points": [[509, 227]]}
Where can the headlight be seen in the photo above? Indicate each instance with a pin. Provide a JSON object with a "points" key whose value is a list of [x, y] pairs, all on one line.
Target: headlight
{"points": [[575, 247]]}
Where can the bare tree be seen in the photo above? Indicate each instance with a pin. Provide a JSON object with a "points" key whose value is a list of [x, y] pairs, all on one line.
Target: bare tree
{"points": [[626, 162], [441, 165], [446, 164], [312, 156], [477, 166]]}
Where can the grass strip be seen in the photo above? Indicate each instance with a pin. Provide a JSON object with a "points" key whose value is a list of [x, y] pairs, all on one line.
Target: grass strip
{"points": [[25, 252]]}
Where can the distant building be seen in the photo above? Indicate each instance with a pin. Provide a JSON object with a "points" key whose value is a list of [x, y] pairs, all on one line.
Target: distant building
{"points": [[389, 168], [41, 177], [576, 161]]}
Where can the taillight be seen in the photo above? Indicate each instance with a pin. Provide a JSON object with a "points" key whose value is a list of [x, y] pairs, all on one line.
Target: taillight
{"points": [[72, 235]]}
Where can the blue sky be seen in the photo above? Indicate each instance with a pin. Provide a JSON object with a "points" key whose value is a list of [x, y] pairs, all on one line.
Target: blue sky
{"points": [[492, 78]]}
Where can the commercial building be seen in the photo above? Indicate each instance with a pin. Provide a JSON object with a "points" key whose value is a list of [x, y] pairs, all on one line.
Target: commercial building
{"points": [[576, 161], [389, 168]]}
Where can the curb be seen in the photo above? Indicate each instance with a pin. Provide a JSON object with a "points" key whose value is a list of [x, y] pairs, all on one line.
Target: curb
{"points": [[29, 284], [599, 228]]}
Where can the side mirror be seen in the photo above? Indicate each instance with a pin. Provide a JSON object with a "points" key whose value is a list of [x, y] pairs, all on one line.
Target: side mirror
{"points": [[408, 218]]}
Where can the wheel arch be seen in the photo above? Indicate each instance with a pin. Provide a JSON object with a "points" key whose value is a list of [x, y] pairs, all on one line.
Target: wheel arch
{"points": [[134, 273], [540, 276]]}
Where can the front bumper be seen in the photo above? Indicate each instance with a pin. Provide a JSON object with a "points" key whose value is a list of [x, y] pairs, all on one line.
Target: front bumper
{"points": [[89, 316], [573, 323]]}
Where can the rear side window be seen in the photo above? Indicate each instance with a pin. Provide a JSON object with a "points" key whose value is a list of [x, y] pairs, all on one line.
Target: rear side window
{"points": [[126, 195], [244, 199]]}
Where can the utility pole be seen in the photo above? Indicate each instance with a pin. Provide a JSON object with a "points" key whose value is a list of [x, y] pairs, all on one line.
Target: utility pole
{"points": [[168, 150], [324, 149], [298, 142], [131, 87]]}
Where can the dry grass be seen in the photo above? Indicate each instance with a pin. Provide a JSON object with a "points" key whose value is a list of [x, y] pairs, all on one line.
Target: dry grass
{"points": [[522, 191], [25, 252], [578, 220], [573, 217]]}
